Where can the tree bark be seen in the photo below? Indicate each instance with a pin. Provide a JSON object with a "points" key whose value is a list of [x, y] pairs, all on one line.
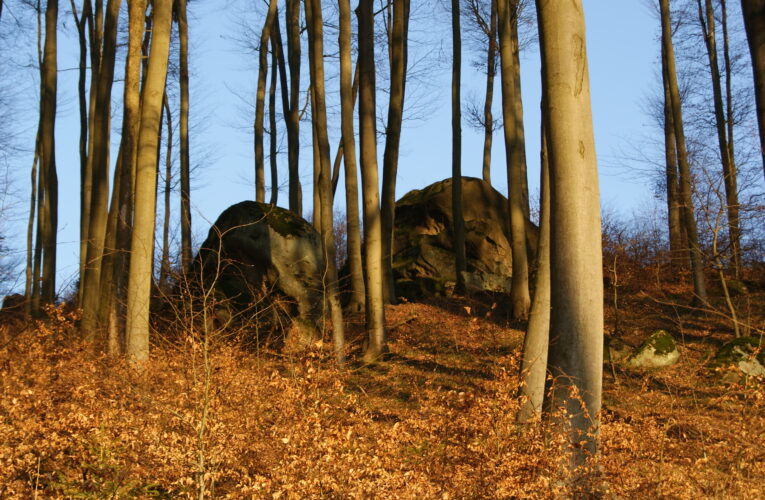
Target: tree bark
{"points": [[30, 276], [164, 270], [185, 150], [348, 143], [293, 119], [697, 270], [677, 248], [460, 263], [140, 278], [576, 340], [272, 133], [319, 115], [515, 154], [707, 22], [754, 23], [260, 176], [398, 55], [491, 71], [375, 312], [99, 206], [80, 22]]}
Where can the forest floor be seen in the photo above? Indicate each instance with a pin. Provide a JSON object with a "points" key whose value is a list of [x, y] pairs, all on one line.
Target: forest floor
{"points": [[435, 420]]}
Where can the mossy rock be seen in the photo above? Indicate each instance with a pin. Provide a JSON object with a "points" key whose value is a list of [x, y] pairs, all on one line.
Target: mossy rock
{"points": [[745, 355], [657, 351]]}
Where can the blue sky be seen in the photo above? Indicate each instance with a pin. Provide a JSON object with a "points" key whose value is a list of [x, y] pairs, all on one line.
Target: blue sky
{"points": [[622, 50]]}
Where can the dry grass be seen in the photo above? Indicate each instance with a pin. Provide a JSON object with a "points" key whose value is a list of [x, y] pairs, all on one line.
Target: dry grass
{"points": [[435, 421]]}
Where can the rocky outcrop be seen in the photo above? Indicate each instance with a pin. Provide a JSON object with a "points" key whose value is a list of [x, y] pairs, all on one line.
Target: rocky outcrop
{"points": [[255, 253], [657, 351], [423, 260], [741, 358]]}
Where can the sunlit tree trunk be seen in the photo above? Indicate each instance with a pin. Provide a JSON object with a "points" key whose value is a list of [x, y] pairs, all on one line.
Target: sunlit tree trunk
{"points": [[375, 312], [536, 341], [677, 248], [754, 23], [515, 155], [164, 270], [272, 121], [689, 220], [140, 277], [707, 22], [349, 153], [398, 55], [99, 203], [80, 22], [576, 328], [30, 276], [260, 105], [293, 119], [460, 264], [491, 70], [185, 170]]}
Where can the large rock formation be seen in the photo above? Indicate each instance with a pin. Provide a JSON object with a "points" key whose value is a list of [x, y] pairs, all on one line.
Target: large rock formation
{"points": [[256, 252], [423, 259]]}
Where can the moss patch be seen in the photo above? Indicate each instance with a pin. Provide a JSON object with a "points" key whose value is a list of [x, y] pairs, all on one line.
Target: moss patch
{"points": [[661, 341], [285, 222]]}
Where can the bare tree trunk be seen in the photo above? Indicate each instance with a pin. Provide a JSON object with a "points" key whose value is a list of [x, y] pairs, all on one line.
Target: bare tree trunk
{"points": [[319, 116], [514, 151], [48, 147], [260, 176], [576, 340], [699, 286], [99, 207], [375, 312], [185, 150], [754, 23], [677, 248], [518, 106], [272, 133], [339, 153], [707, 22], [347, 98], [139, 285], [30, 277], [164, 270], [293, 119], [460, 264], [491, 71], [398, 55], [83, 103], [535, 344]]}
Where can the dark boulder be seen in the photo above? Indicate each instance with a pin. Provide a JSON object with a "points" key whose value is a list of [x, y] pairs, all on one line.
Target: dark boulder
{"points": [[423, 259], [257, 252]]}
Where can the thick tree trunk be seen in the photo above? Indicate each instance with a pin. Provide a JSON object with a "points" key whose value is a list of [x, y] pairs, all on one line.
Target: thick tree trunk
{"points": [[707, 22], [697, 270], [48, 156], [185, 171], [491, 71], [140, 278], [398, 55], [460, 263], [99, 203], [347, 99], [576, 340], [319, 115], [293, 119], [754, 23], [260, 103], [535, 344], [677, 247], [515, 154], [375, 312]]}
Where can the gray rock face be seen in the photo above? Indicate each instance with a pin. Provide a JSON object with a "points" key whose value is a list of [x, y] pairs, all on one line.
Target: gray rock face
{"points": [[256, 251], [746, 357], [423, 260], [657, 351]]}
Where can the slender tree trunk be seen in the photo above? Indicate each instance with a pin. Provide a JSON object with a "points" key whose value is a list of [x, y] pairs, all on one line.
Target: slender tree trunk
{"points": [[375, 312], [347, 101], [164, 271], [491, 70], [754, 23], [576, 340], [272, 133], [518, 106], [339, 153], [260, 176], [48, 163], [38, 191], [535, 344], [139, 285], [699, 286], [460, 264], [99, 207], [293, 119], [83, 103], [677, 248], [514, 151], [30, 277], [398, 54], [185, 150], [319, 116], [707, 22]]}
